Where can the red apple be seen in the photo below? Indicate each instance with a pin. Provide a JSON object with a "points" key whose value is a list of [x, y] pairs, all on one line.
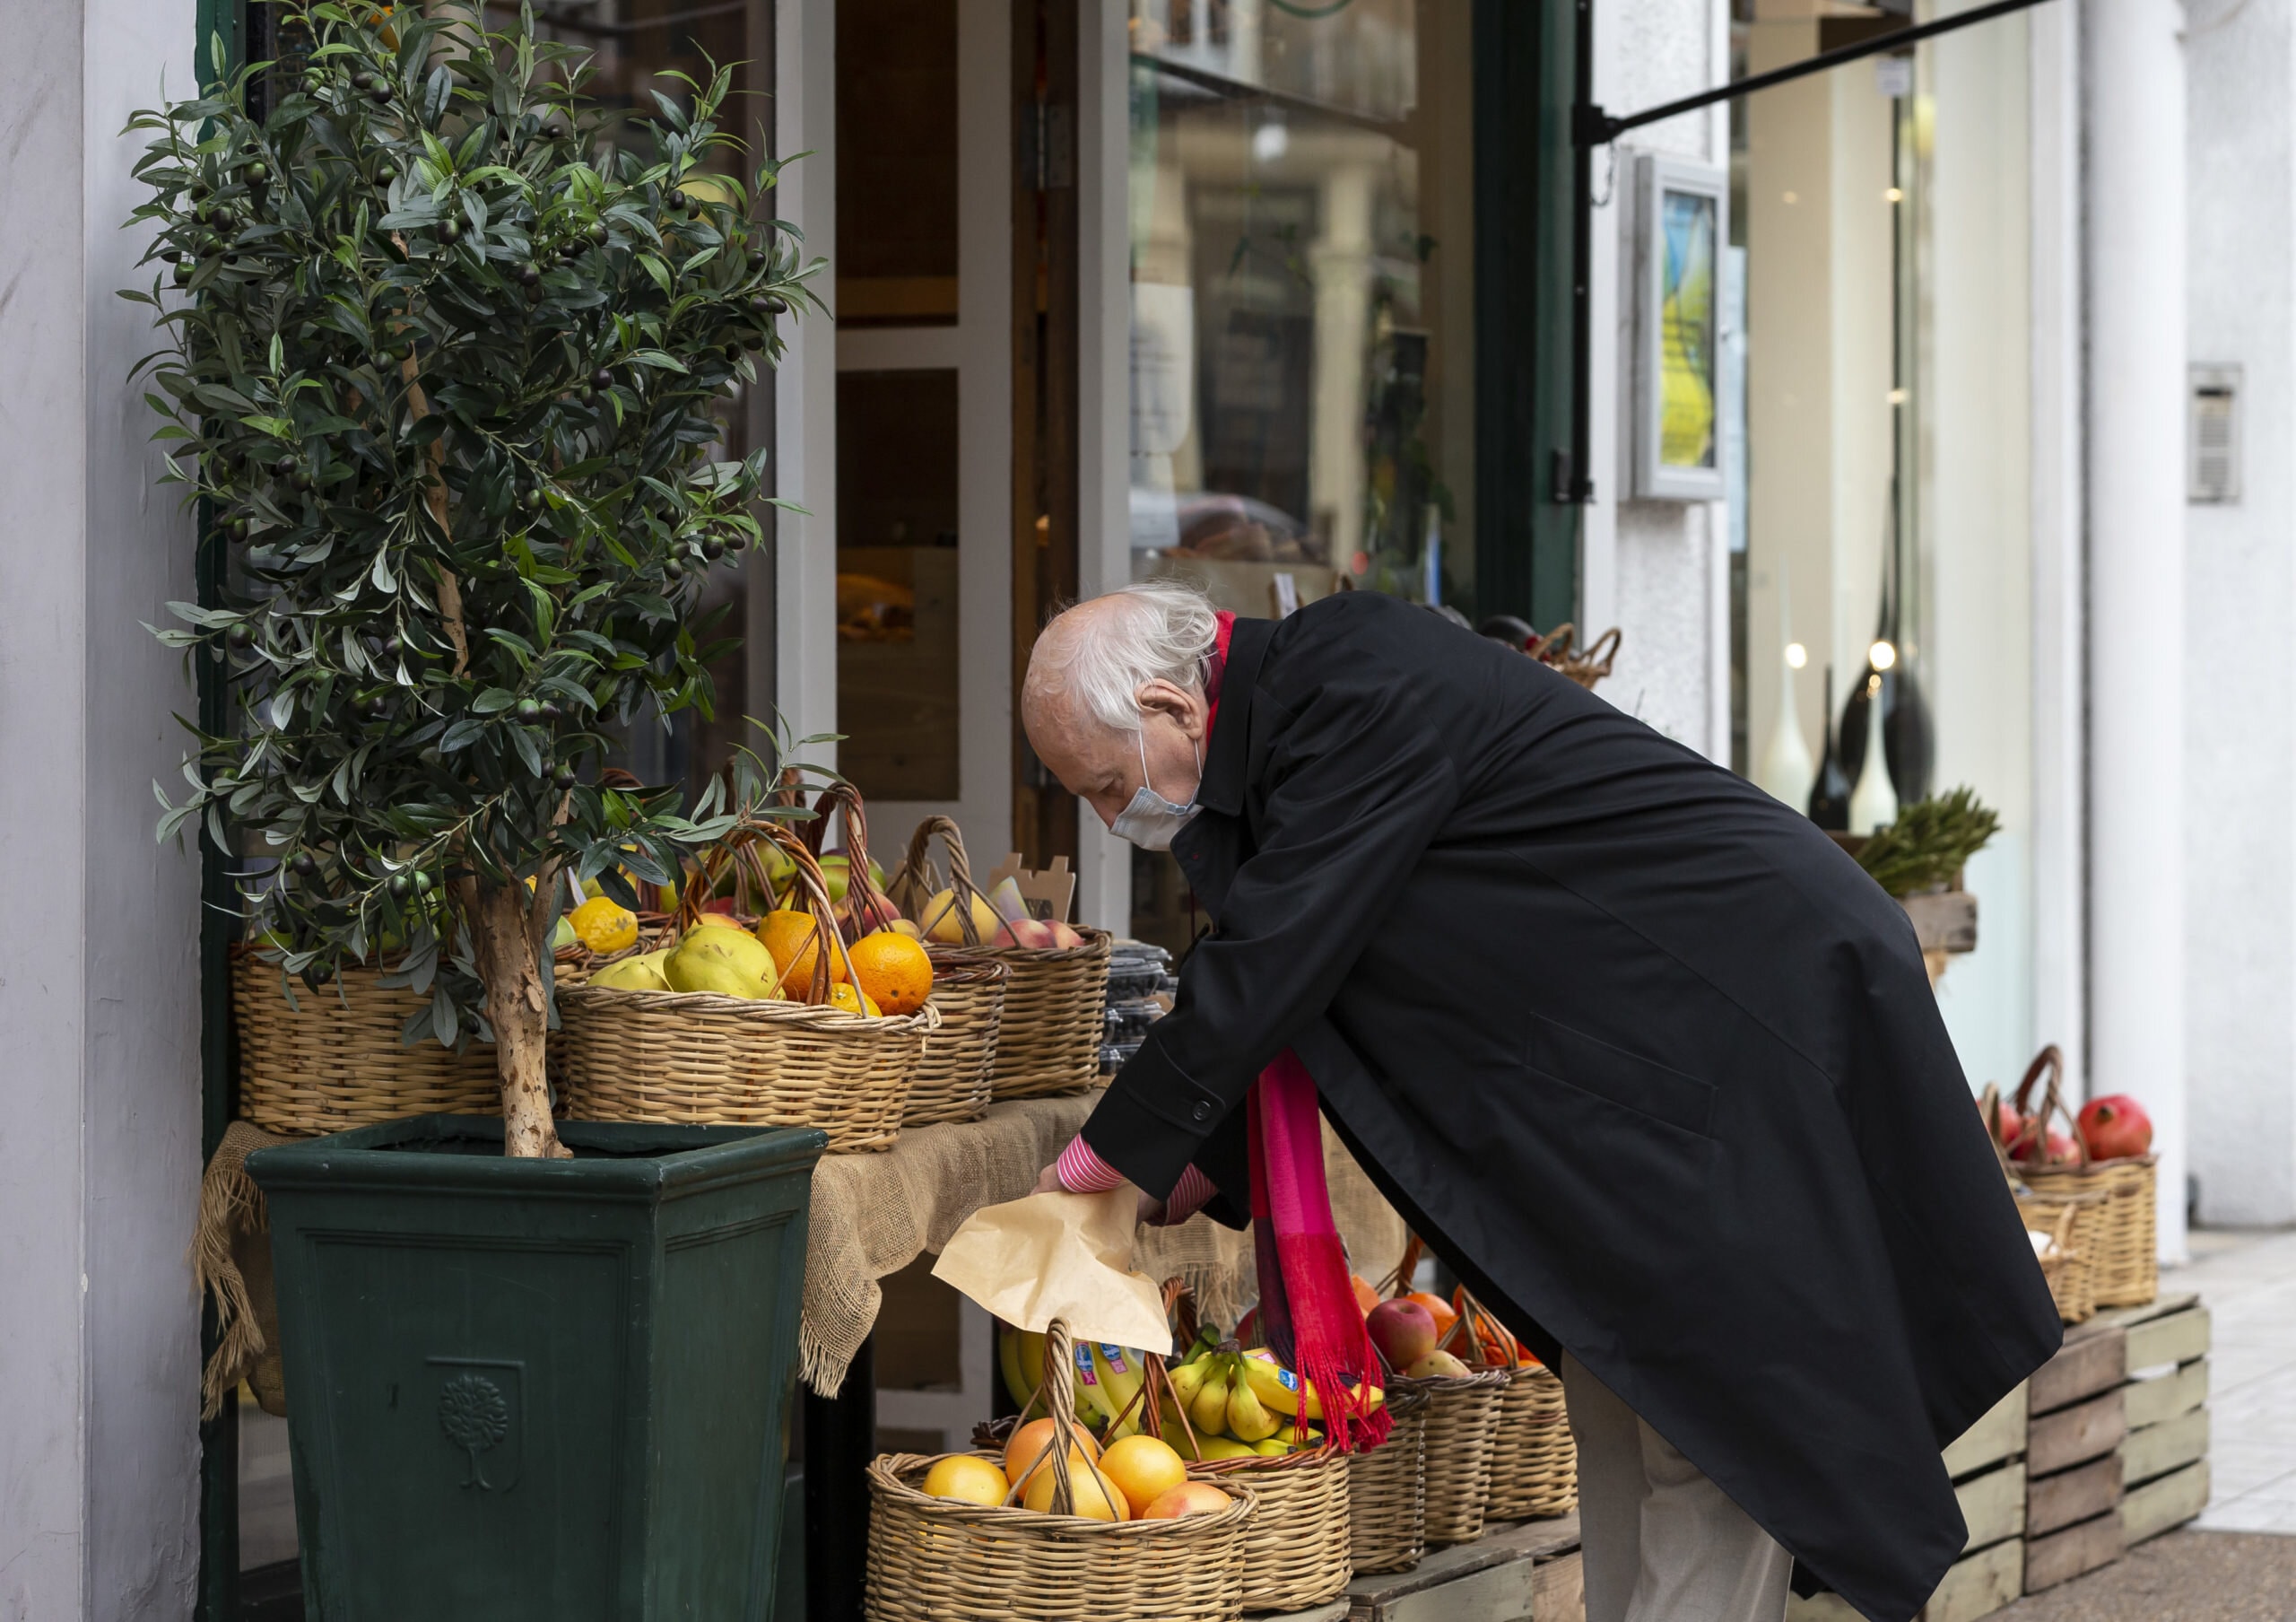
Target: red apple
{"points": [[2115, 1127], [2012, 1123], [1402, 1331], [2059, 1150]]}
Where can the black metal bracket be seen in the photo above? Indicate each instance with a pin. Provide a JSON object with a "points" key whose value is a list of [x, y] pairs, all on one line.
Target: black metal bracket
{"points": [[1590, 126]]}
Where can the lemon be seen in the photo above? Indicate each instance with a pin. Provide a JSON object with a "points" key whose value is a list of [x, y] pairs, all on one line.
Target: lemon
{"points": [[642, 973], [604, 925], [731, 963]]}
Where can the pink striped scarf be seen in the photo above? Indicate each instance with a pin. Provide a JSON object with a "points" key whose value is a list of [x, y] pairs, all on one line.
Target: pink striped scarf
{"points": [[1307, 1310]]}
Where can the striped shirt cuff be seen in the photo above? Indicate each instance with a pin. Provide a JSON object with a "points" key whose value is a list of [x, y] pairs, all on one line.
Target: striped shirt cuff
{"points": [[1084, 1172]]}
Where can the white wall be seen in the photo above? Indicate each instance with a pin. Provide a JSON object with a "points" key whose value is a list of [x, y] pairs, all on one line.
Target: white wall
{"points": [[98, 991], [2240, 917], [1657, 569]]}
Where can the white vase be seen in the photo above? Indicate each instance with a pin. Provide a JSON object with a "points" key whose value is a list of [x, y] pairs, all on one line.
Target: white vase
{"points": [[1874, 802], [1787, 770]]}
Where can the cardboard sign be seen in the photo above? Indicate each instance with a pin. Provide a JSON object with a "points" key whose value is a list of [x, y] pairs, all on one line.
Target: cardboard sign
{"points": [[1047, 895]]}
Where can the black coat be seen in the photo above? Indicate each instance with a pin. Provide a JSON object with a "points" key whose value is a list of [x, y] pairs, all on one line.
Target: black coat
{"points": [[1644, 1055]]}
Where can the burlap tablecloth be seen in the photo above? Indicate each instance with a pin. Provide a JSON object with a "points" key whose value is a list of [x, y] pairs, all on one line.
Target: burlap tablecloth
{"points": [[872, 1215]]}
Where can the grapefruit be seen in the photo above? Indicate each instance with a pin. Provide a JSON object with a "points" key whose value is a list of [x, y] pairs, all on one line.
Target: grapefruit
{"points": [[1144, 1468], [1096, 1497], [962, 1476], [1029, 1442]]}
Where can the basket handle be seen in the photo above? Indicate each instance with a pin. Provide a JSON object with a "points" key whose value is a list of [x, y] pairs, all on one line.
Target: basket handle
{"points": [[914, 884], [1474, 1319], [864, 904], [1398, 1283], [1060, 1406], [808, 886], [2033, 1128]]}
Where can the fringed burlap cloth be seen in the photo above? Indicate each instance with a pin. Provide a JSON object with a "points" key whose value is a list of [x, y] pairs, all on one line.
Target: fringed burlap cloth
{"points": [[872, 1215]]}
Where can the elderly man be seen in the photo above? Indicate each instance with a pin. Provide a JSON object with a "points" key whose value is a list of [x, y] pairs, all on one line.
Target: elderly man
{"points": [[1645, 1057]]}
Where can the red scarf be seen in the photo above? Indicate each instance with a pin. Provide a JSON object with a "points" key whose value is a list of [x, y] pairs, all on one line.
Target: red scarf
{"points": [[1308, 1313]]}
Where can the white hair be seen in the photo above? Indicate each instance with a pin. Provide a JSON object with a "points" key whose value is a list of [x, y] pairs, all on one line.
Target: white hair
{"points": [[1149, 630]]}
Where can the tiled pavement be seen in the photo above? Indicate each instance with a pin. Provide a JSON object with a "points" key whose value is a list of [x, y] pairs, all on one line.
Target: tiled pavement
{"points": [[2248, 1282]]}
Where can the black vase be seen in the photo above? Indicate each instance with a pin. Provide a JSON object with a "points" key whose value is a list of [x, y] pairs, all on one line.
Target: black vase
{"points": [[1830, 793], [1908, 742]]}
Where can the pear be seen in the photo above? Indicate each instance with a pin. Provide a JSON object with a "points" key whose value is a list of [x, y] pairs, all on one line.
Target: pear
{"points": [[642, 973], [730, 962]]}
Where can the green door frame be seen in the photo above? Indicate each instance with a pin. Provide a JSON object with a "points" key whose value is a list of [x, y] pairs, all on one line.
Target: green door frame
{"points": [[1527, 489]]}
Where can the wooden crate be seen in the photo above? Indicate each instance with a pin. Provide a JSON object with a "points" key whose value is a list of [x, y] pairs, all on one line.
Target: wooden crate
{"points": [[1527, 1571], [2164, 1458]]}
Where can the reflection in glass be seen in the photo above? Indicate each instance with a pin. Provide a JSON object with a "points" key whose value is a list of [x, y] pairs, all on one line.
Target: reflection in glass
{"points": [[896, 162], [1300, 206]]}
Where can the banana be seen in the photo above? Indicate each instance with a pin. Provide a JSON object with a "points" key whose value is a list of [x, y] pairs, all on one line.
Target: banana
{"points": [[1122, 1374], [1092, 1404], [1187, 1379], [1270, 1448], [1008, 1361], [1279, 1389], [1249, 1418], [1209, 1411]]}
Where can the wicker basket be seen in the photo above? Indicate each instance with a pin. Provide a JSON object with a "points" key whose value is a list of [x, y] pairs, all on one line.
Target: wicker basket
{"points": [[952, 1078], [2118, 1236], [1462, 1435], [1048, 1041], [1386, 1492], [333, 1058], [2072, 1284], [695, 1059], [1533, 1461], [944, 1560], [1296, 1552]]}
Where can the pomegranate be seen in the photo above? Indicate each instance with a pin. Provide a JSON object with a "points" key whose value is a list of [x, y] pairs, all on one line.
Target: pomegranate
{"points": [[2115, 1127], [2059, 1150]]}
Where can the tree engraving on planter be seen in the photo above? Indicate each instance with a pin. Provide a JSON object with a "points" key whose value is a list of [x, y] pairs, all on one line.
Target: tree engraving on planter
{"points": [[474, 1415]]}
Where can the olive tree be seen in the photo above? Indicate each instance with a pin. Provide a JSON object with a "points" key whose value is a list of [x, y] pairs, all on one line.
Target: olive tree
{"points": [[447, 347]]}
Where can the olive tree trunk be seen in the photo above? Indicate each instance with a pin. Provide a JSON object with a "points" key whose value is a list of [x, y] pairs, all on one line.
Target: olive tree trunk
{"points": [[503, 920]]}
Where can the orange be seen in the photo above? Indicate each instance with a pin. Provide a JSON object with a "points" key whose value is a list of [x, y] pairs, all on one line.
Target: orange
{"points": [[1095, 1496], [894, 970], [962, 1476], [1144, 1468], [1438, 1309], [791, 938], [1366, 1297], [1030, 1441], [854, 1001]]}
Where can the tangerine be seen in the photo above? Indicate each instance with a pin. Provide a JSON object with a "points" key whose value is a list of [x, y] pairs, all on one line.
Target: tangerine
{"points": [[792, 937], [894, 970]]}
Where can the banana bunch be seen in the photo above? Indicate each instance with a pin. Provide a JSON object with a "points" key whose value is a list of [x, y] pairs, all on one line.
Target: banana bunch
{"points": [[1108, 1379], [1223, 1398]]}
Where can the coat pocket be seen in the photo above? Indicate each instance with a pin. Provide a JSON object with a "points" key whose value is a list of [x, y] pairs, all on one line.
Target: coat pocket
{"points": [[1626, 1079]]}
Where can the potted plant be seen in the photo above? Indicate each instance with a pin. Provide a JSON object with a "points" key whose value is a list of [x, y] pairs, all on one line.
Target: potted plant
{"points": [[445, 357]]}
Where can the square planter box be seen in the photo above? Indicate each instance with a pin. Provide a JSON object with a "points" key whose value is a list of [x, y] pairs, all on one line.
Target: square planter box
{"points": [[539, 1389]]}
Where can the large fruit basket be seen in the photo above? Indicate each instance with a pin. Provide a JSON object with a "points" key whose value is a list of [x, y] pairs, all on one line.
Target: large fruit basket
{"points": [[2117, 1235], [1463, 1433], [1386, 1492], [947, 1560], [333, 1058], [699, 1058], [1049, 1036]]}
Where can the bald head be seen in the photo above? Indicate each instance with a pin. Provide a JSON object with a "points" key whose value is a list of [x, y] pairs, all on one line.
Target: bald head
{"points": [[1114, 697]]}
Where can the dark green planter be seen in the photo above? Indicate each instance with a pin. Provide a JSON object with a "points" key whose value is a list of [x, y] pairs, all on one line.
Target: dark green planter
{"points": [[539, 1389]]}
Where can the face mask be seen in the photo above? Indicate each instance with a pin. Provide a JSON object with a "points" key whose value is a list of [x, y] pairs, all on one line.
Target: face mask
{"points": [[1150, 820]]}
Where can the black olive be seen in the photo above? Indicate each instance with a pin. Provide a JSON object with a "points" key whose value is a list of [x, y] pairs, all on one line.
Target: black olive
{"points": [[304, 863], [529, 710], [550, 711], [381, 94], [258, 173], [199, 189], [775, 305], [450, 231], [713, 549], [677, 199], [598, 233], [283, 466], [529, 274], [301, 479], [238, 636], [394, 644], [402, 884], [602, 379], [362, 80], [565, 775]]}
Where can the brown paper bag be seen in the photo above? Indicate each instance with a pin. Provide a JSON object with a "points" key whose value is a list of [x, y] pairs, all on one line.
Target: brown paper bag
{"points": [[1069, 1256]]}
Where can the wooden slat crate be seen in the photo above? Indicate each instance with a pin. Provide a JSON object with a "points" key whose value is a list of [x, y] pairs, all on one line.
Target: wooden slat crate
{"points": [[2164, 1460]]}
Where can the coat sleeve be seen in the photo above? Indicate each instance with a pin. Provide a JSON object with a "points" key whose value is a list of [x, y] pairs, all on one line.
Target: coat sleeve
{"points": [[1356, 784]]}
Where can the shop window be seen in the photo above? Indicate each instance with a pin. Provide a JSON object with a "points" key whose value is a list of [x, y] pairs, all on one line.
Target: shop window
{"points": [[896, 162], [1301, 199], [897, 653]]}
